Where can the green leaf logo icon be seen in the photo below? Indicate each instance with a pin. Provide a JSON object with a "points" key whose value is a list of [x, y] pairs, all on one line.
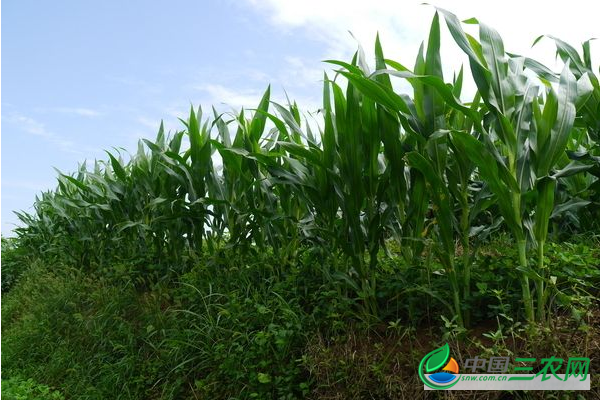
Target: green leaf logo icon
{"points": [[437, 358], [432, 362]]}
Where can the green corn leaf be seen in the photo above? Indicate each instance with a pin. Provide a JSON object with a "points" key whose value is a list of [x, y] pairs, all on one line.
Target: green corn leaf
{"points": [[257, 126], [377, 92], [554, 146], [117, 168], [571, 169], [572, 205], [76, 182], [440, 86], [493, 52], [494, 174], [441, 199], [545, 204]]}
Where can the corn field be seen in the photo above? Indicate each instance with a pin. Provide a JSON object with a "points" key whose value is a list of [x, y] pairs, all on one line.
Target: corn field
{"points": [[428, 170]]}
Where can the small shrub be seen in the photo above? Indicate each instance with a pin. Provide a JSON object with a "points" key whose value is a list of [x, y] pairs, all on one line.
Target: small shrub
{"points": [[17, 388], [14, 263]]}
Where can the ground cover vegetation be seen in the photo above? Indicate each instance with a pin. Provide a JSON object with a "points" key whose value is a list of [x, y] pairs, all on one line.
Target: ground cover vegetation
{"points": [[269, 254]]}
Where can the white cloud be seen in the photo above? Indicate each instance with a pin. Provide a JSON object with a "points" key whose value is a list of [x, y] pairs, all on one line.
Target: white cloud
{"points": [[402, 25]]}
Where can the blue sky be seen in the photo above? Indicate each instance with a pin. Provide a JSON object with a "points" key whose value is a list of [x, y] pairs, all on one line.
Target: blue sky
{"points": [[82, 76], [79, 77]]}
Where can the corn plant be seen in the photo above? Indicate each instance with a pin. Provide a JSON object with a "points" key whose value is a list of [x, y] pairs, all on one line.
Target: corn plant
{"points": [[521, 141]]}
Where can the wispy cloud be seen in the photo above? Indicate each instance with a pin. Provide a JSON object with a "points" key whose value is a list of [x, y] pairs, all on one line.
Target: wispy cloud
{"points": [[28, 185], [250, 98], [84, 112], [148, 87], [76, 111], [34, 127], [148, 122], [236, 98], [298, 72]]}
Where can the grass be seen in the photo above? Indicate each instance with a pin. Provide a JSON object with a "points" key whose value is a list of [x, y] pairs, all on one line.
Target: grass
{"points": [[230, 328]]}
